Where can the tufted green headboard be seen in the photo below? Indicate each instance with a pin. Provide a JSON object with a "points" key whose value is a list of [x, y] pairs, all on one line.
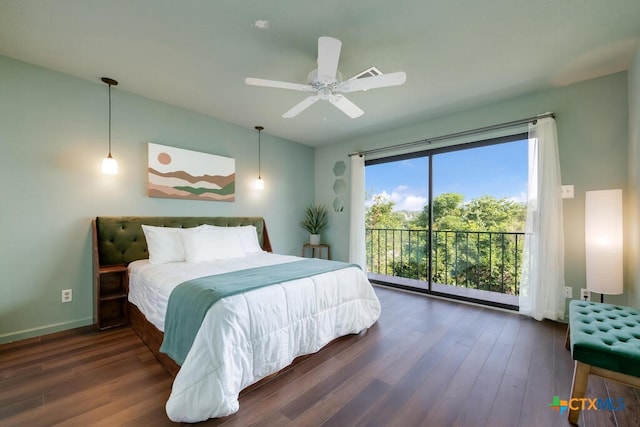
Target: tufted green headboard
{"points": [[120, 240]]}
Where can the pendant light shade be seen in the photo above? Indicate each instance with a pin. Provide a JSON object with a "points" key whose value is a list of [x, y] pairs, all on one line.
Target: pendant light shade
{"points": [[109, 164], [259, 184]]}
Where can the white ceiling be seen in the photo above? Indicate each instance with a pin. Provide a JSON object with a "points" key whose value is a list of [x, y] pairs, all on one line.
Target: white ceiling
{"points": [[196, 53]]}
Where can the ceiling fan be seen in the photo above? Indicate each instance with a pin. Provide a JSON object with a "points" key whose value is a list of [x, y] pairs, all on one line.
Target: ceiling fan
{"points": [[326, 82]]}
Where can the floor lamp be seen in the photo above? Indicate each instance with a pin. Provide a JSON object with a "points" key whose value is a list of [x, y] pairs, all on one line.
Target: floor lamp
{"points": [[603, 241]]}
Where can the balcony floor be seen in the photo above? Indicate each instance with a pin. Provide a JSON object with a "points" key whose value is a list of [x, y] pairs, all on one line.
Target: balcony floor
{"points": [[458, 291]]}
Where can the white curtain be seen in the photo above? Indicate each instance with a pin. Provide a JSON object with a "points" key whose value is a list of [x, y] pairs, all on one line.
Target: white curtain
{"points": [[357, 248], [542, 283]]}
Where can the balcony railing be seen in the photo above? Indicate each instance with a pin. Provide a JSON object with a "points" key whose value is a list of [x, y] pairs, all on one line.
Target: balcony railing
{"points": [[483, 260]]}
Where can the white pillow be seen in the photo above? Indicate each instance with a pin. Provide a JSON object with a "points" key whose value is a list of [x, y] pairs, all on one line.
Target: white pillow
{"points": [[248, 235], [249, 239], [206, 244], [164, 244]]}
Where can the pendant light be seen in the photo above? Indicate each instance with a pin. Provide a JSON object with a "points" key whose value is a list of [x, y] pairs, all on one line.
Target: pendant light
{"points": [[259, 182], [109, 164]]}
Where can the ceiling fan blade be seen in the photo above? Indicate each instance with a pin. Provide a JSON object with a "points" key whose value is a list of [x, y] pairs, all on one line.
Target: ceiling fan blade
{"points": [[383, 80], [347, 107], [300, 107], [328, 57], [280, 85]]}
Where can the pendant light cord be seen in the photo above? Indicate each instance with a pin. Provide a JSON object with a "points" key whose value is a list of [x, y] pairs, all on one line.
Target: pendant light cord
{"points": [[109, 120], [259, 129], [259, 154], [109, 82]]}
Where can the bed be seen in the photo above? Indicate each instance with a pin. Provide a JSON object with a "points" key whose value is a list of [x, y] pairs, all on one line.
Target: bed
{"points": [[244, 336]]}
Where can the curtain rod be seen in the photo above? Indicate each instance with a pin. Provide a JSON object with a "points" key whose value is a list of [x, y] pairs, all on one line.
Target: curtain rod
{"points": [[455, 135]]}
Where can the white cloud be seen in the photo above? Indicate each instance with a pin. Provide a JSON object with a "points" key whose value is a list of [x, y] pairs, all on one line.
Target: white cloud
{"points": [[404, 199], [520, 198], [412, 203]]}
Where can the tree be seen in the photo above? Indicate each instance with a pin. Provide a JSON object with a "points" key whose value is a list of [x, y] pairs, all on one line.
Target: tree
{"points": [[381, 215], [475, 243], [446, 207], [381, 221], [490, 214]]}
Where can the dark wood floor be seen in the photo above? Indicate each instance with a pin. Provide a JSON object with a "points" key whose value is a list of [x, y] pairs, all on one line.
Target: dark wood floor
{"points": [[426, 362]]}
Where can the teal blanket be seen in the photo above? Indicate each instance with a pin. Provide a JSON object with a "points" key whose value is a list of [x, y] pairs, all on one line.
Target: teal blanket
{"points": [[190, 301]]}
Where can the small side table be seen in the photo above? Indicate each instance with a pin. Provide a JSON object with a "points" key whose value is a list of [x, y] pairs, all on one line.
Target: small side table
{"points": [[316, 251], [111, 289]]}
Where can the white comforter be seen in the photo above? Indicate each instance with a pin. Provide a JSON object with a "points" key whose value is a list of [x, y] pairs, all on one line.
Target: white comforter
{"points": [[249, 336]]}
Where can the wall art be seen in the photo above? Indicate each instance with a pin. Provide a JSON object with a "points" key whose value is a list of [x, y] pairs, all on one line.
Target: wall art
{"points": [[184, 174]]}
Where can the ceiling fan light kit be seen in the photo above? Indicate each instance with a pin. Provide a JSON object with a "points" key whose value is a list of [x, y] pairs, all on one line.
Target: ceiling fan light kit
{"points": [[326, 82]]}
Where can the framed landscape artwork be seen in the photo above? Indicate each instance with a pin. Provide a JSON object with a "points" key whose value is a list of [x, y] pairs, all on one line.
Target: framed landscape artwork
{"points": [[184, 174]]}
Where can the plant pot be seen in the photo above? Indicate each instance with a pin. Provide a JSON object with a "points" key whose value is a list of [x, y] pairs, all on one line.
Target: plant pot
{"points": [[314, 239]]}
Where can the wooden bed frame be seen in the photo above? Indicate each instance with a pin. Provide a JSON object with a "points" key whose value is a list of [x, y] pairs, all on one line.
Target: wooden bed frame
{"points": [[152, 337], [113, 240]]}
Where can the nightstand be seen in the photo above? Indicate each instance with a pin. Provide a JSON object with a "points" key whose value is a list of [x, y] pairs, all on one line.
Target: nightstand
{"points": [[111, 286], [316, 251]]}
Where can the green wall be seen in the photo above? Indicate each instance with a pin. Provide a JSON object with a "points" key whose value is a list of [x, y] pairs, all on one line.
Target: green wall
{"points": [[592, 121], [53, 136], [634, 182]]}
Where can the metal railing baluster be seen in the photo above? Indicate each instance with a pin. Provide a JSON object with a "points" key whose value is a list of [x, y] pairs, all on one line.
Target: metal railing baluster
{"points": [[405, 251]]}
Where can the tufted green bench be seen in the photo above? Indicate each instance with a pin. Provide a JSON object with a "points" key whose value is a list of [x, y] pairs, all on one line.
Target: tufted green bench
{"points": [[604, 340]]}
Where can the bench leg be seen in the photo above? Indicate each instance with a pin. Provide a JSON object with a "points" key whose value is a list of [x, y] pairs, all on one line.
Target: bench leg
{"points": [[567, 339], [578, 388]]}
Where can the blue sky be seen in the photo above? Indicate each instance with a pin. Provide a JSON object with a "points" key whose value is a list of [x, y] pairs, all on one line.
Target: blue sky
{"points": [[498, 170]]}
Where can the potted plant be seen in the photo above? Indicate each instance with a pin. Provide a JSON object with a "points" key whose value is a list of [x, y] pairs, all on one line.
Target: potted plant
{"points": [[315, 220]]}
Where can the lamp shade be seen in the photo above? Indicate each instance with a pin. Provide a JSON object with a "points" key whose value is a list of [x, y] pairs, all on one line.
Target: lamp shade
{"points": [[603, 241], [259, 184], [109, 166]]}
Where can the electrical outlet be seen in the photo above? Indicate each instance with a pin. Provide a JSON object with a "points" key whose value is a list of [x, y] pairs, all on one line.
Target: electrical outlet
{"points": [[67, 295], [568, 292], [567, 191], [585, 295]]}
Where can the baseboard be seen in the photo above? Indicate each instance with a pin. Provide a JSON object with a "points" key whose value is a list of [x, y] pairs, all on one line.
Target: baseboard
{"points": [[44, 330]]}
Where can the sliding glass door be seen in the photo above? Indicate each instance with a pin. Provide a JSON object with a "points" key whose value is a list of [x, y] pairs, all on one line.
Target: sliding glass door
{"points": [[450, 221], [396, 233]]}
